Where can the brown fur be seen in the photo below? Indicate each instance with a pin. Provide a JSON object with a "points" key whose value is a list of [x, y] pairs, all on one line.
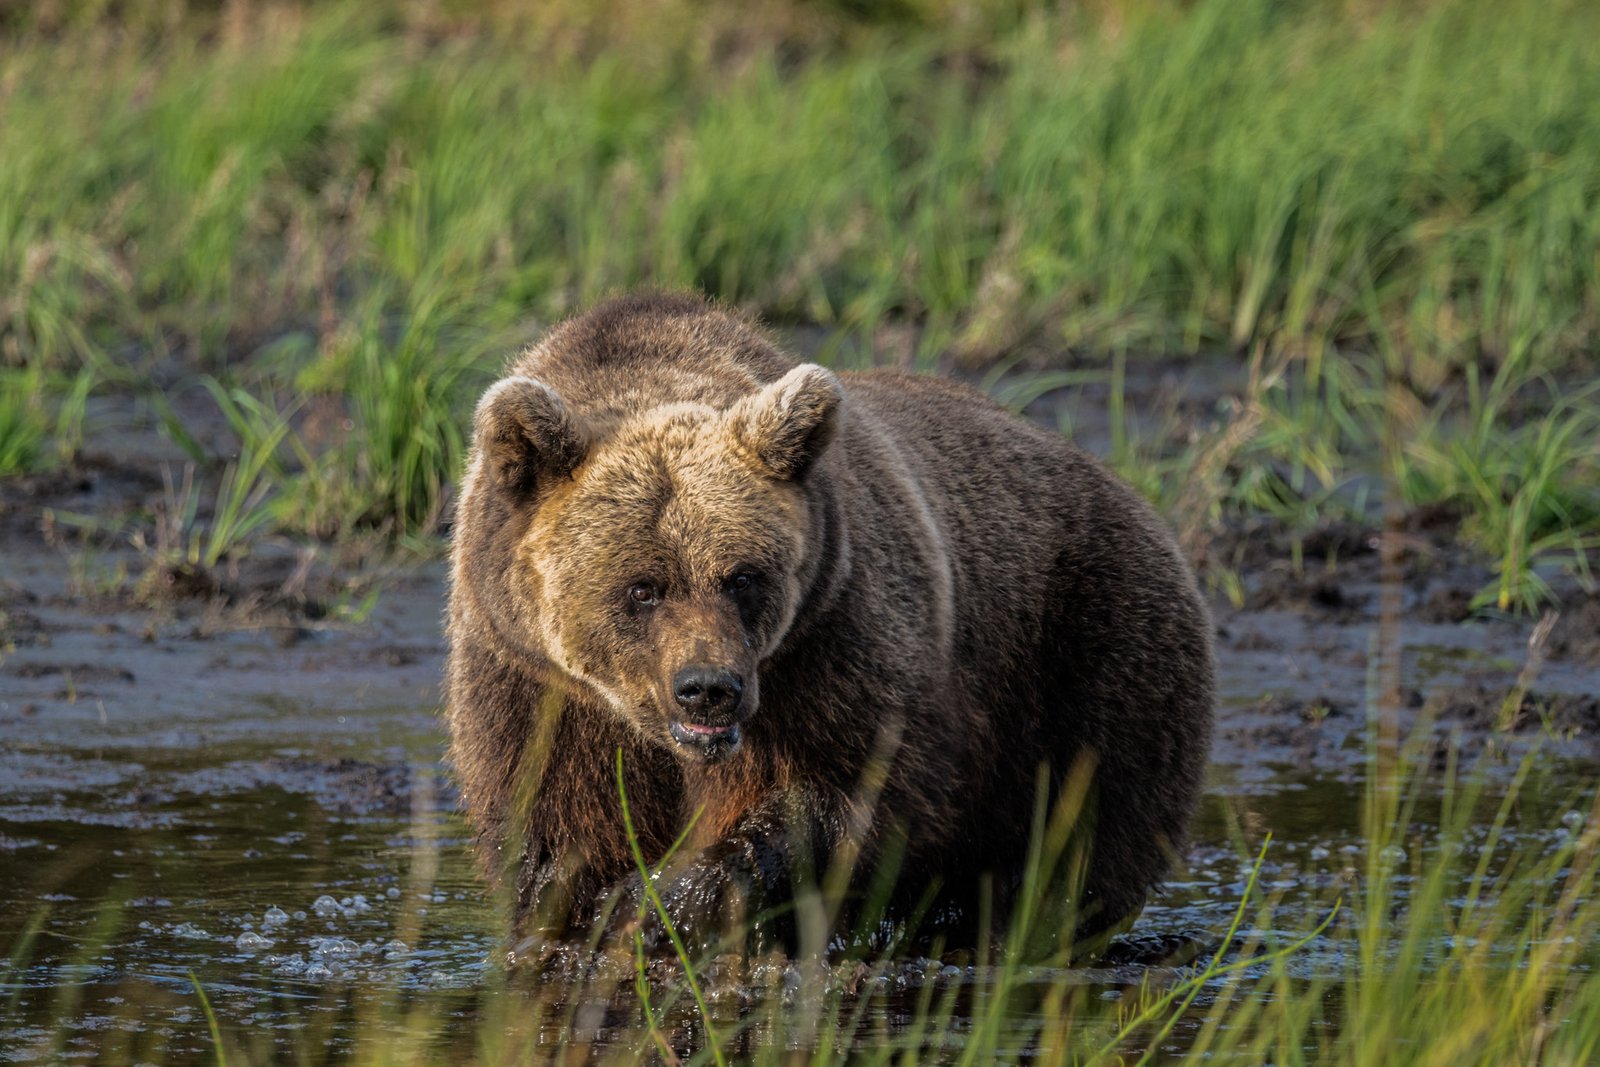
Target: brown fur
{"points": [[937, 582]]}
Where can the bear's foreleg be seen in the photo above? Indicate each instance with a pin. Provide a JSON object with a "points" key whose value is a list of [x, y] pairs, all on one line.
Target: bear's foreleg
{"points": [[741, 887]]}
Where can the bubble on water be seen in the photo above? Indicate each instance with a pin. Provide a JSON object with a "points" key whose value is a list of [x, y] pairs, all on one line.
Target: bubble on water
{"points": [[323, 946], [1319, 853], [392, 893], [251, 942], [325, 906], [1392, 856], [274, 916], [1573, 820], [318, 971], [350, 907]]}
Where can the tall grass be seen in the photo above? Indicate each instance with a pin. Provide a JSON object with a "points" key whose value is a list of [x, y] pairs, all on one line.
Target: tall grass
{"points": [[372, 198], [1166, 177], [38, 411]]}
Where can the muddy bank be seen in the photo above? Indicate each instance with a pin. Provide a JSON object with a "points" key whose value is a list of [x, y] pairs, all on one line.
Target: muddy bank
{"points": [[103, 647]]}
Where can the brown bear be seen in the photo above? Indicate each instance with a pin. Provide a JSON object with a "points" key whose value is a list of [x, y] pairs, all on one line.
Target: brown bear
{"points": [[854, 614]]}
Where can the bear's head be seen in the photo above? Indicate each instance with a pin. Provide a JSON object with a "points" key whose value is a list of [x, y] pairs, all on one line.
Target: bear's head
{"points": [[656, 559]]}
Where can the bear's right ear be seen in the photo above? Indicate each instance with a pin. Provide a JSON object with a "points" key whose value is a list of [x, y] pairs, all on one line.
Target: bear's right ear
{"points": [[789, 422], [526, 434]]}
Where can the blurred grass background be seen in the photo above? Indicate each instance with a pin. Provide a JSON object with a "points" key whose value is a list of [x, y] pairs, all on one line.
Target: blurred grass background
{"points": [[363, 207]]}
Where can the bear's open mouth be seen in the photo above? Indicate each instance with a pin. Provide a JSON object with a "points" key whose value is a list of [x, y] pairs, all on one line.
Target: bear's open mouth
{"points": [[713, 740]]}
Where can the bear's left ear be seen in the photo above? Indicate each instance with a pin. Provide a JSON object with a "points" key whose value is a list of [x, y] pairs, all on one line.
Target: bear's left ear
{"points": [[526, 434], [789, 423]]}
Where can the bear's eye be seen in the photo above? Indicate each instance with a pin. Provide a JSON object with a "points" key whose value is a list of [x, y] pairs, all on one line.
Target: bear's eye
{"points": [[644, 594]]}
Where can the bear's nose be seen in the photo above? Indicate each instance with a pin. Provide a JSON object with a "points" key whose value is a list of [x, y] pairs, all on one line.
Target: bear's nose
{"points": [[703, 691]]}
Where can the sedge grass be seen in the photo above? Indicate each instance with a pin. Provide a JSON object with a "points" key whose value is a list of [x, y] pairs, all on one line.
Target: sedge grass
{"points": [[371, 204], [1221, 175]]}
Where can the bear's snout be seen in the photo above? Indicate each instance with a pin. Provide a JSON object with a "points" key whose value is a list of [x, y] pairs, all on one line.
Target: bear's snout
{"points": [[708, 695], [711, 702]]}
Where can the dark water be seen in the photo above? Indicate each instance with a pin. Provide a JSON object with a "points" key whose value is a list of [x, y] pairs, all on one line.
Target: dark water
{"points": [[303, 890]]}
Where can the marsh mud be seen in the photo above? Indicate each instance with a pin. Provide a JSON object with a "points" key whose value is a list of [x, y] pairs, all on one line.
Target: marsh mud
{"points": [[240, 778]]}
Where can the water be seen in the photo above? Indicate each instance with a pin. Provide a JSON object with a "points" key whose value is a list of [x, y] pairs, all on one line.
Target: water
{"points": [[305, 893], [279, 898]]}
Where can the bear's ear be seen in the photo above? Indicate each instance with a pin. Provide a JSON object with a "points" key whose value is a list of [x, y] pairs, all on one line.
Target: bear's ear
{"points": [[526, 434], [789, 423]]}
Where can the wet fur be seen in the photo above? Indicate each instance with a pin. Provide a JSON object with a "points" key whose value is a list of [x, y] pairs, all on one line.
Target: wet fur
{"points": [[965, 592]]}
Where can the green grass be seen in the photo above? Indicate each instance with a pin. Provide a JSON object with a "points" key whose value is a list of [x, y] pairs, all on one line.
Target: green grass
{"points": [[41, 418], [355, 211]]}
